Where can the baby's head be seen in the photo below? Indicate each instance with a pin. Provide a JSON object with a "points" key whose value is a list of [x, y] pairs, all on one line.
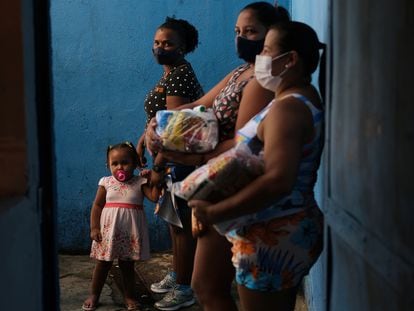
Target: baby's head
{"points": [[122, 159]]}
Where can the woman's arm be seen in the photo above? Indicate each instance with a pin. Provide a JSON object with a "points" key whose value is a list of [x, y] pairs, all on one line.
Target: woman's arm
{"points": [[140, 148], [174, 102], [283, 133], [254, 99], [96, 211], [151, 192], [197, 158]]}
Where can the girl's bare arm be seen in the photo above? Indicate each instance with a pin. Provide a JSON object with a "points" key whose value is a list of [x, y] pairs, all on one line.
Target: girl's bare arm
{"points": [[96, 211]]}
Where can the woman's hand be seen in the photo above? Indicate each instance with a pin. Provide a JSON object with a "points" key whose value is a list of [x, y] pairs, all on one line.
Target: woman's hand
{"points": [[197, 227], [156, 179], [146, 173], [152, 140], [202, 210], [96, 235]]}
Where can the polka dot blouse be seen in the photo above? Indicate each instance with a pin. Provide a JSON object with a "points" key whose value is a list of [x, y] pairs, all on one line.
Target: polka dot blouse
{"points": [[180, 81]]}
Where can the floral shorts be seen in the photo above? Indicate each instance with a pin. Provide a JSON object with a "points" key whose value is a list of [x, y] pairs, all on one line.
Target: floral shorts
{"points": [[277, 254]]}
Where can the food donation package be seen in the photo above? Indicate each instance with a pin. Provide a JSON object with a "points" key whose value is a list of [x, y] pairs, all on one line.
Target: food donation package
{"points": [[221, 177], [188, 130]]}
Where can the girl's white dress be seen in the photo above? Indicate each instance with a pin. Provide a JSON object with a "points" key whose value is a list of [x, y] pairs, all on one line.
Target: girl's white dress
{"points": [[123, 223]]}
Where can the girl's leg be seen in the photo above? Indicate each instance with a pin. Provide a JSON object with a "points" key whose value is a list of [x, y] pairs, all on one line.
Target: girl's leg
{"points": [[99, 276], [128, 280], [252, 300], [213, 272], [184, 246]]}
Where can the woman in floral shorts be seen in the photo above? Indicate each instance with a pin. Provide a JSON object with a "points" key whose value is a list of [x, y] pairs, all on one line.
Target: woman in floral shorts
{"points": [[281, 238]]}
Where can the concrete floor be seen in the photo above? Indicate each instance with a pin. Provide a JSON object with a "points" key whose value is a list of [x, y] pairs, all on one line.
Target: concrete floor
{"points": [[75, 274]]}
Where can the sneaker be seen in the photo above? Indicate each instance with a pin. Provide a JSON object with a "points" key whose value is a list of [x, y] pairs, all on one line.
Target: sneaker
{"points": [[165, 285], [176, 299]]}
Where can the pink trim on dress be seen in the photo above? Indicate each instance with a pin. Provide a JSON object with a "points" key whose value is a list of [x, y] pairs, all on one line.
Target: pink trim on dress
{"points": [[123, 205]]}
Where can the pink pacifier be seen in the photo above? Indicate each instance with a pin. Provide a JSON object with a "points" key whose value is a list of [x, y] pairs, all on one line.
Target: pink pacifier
{"points": [[121, 175]]}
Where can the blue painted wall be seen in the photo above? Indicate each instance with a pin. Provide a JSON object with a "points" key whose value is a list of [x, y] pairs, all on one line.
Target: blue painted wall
{"points": [[102, 69], [287, 4], [315, 13]]}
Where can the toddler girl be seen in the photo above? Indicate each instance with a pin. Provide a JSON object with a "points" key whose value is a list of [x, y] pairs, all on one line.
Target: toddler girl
{"points": [[118, 224]]}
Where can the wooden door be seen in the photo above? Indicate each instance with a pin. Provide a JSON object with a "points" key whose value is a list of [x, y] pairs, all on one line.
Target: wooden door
{"points": [[369, 168], [27, 235]]}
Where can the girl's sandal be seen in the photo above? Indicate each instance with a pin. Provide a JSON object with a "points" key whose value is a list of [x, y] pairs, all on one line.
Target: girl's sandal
{"points": [[89, 307]]}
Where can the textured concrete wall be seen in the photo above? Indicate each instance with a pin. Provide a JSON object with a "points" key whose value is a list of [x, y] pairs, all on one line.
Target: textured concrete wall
{"points": [[102, 69]]}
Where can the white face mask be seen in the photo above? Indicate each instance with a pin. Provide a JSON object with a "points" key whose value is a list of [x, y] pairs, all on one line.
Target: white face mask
{"points": [[263, 72]]}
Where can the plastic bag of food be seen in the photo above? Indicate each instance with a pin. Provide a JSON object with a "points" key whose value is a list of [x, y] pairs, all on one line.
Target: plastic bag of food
{"points": [[221, 176], [188, 130]]}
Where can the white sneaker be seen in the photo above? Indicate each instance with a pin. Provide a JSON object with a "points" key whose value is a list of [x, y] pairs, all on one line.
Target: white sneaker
{"points": [[176, 299], [165, 285]]}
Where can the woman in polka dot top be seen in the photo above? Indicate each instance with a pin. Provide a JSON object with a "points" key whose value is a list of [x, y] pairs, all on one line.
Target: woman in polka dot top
{"points": [[178, 85]]}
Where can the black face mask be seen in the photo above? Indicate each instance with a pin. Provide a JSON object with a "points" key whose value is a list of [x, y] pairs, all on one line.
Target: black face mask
{"points": [[248, 49], [164, 57]]}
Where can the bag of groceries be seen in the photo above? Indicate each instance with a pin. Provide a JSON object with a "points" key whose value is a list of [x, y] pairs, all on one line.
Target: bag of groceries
{"points": [[188, 130], [222, 176]]}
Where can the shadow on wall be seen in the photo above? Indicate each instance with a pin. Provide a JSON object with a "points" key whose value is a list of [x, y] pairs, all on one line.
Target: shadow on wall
{"points": [[102, 69]]}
